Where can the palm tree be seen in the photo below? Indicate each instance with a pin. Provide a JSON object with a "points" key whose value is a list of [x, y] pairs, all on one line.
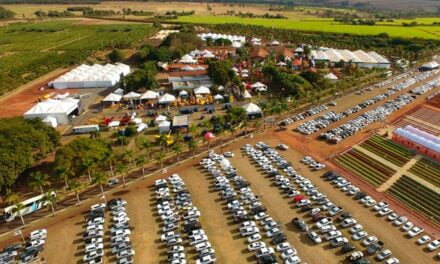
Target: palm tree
{"points": [[162, 141], [87, 164], [62, 172], [128, 156], [122, 169], [100, 179], [76, 187], [13, 198], [110, 160], [159, 157], [50, 201], [147, 145], [38, 180], [178, 137], [192, 145], [193, 130], [140, 161], [177, 148], [17, 209]]}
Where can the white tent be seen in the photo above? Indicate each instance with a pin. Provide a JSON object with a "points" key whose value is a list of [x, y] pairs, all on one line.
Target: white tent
{"points": [[164, 127], [202, 90], [218, 97], [244, 75], [299, 50], [119, 91], [430, 65], [281, 63], [259, 87], [247, 95], [331, 76], [210, 55], [221, 88], [112, 98], [252, 109], [160, 118], [50, 121], [132, 95], [58, 109], [275, 43], [183, 93], [167, 99], [150, 95], [187, 59]]}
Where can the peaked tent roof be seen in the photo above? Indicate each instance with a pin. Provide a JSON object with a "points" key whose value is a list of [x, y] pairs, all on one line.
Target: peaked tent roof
{"points": [[431, 65], [218, 97], [132, 95], [331, 76], [202, 90], [167, 98], [258, 85], [252, 108], [247, 95], [150, 95], [112, 98]]}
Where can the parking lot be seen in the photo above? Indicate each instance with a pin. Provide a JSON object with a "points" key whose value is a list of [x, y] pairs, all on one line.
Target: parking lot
{"points": [[218, 224]]}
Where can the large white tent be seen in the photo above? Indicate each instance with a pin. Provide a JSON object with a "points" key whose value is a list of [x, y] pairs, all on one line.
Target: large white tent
{"points": [[247, 95], [430, 66], [331, 76], [85, 76], [58, 109], [252, 109], [132, 96], [149, 95], [167, 99], [259, 87], [188, 59]]}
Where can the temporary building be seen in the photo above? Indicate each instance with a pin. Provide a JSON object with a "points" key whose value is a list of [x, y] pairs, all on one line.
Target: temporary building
{"points": [[180, 122], [275, 43], [188, 59], [252, 110], [299, 50], [247, 95], [160, 118], [281, 63], [429, 66], [85, 76], [420, 140], [112, 98], [58, 109], [50, 121], [331, 76], [218, 97], [164, 127], [167, 99], [183, 93], [150, 95], [132, 96], [202, 90]]}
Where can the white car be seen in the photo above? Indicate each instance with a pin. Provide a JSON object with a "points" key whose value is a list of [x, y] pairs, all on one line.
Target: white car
{"points": [[207, 259], [314, 237], [254, 238], [348, 222], [201, 246], [292, 260], [367, 241], [407, 226], [38, 234], [423, 240], [282, 146], [359, 235], [400, 220], [385, 211], [392, 216], [392, 261], [283, 246], [260, 216], [248, 231], [323, 222], [433, 245], [384, 254], [228, 154], [256, 245], [332, 234], [288, 253], [380, 205], [356, 228], [415, 231]]}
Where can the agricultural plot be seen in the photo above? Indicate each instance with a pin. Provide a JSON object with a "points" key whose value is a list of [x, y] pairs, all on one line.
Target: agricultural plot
{"points": [[424, 118], [418, 197], [388, 150], [427, 32], [403, 122], [28, 51], [369, 169], [428, 170]]}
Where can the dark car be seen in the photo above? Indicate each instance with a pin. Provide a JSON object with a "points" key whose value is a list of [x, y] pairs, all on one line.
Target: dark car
{"points": [[344, 215], [301, 224], [359, 195], [374, 247], [362, 261], [278, 238], [257, 209], [317, 217], [306, 208], [347, 248]]}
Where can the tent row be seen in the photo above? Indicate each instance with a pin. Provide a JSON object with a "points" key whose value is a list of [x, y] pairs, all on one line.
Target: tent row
{"points": [[214, 36], [53, 111], [361, 58], [85, 76]]}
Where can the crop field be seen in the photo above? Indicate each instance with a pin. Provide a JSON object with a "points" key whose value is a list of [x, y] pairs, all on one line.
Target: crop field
{"points": [[369, 169], [28, 51], [427, 32], [388, 150], [423, 118], [428, 170], [418, 197]]}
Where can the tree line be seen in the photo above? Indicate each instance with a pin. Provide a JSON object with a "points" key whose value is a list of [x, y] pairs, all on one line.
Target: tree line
{"points": [[6, 13]]}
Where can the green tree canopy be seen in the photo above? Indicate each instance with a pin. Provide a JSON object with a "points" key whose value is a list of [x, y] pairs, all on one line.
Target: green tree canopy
{"points": [[116, 55]]}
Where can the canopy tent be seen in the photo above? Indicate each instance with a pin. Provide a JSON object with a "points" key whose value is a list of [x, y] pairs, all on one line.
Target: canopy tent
{"points": [[149, 95], [275, 43], [131, 95], [58, 109], [183, 93], [202, 90], [331, 76], [430, 66], [218, 97], [208, 55], [112, 98], [164, 127], [244, 75], [252, 109], [188, 59], [281, 63], [167, 99], [299, 50], [160, 118], [259, 87], [85, 76], [247, 95], [221, 88]]}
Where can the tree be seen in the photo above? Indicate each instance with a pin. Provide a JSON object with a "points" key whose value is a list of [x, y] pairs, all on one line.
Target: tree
{"points": [[76, 186], [13, 198], [62, 173], [192, 145], [145, 144], [177, 148], [159, 158], [38, 180], [128, 156], [116, 55], [6, 13], [87, 164], [162, 141], [100, 179], [122, 169], [17, 209], [140, 161], [193, 130], [50, 201]]}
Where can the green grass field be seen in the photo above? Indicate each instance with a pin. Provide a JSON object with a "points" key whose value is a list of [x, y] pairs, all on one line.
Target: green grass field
{"points": [[324, 25], [28, 51]]}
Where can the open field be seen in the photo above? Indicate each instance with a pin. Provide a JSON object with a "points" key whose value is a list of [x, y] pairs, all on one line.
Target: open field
{"points": [[427, 32], [28, 51], [229, 246]]}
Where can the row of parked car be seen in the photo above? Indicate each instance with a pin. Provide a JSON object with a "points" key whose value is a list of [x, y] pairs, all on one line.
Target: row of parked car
{"points": [[174, 205], [426, 87], [395, 78], [249, 213], [28, 252], [379, 113], [383, 209], [120, 232], [93, 236]]}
